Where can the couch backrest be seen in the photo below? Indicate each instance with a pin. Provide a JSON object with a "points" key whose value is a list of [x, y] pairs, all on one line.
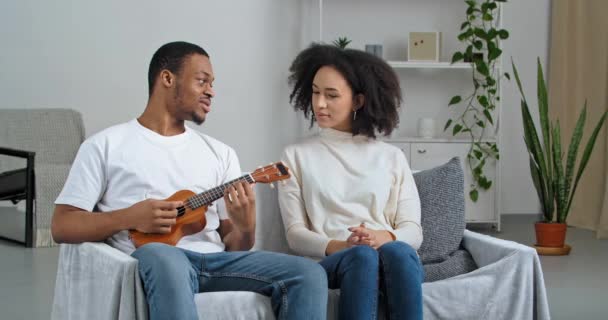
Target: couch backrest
{"points": [[54, 134]]}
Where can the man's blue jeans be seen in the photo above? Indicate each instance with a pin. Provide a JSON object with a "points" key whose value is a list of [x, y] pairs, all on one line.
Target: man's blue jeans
{"points": [[172, 276], [361, 272]]}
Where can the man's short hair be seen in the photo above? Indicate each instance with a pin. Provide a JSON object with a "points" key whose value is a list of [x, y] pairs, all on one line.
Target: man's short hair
{"points": [[171, 57]]}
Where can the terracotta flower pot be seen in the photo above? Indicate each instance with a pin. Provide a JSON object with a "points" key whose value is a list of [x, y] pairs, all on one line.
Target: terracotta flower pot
{"points": [[550, 234]]}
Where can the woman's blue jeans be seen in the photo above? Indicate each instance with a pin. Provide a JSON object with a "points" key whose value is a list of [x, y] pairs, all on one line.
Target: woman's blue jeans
{"points": [[361, 273], [172, 276]]}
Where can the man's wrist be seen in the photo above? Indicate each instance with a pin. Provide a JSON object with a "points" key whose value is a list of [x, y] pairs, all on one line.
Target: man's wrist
{"points": [[245, 231], [122, 217]]}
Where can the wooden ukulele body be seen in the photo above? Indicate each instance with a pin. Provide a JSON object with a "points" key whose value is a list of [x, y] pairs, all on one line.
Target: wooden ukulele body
{"points": [[191, 222]]}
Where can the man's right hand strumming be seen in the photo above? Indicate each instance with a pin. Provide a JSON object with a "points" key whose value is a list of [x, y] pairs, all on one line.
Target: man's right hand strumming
{"points": [[153, 216]]}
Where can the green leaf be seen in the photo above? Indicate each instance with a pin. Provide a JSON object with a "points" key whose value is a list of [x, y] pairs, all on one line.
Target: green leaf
{"points": [[465, 35], [521, 91], [469, 52], [492, 33], [559, 178], [482, 68], [487, 17], [478, 44], [535, 173], [471, 3], [536, 151], [488, 116], [464, 25], [483, 100], [543, 111], [478, 154], [474, 194], [480, 33], [490, 81], [447, 125], [481, 124], [457, 129], [484, 183], [507, 75], [455, 100], [503, 34], [575, 141], [494, 53], [585, 158], [457, 57]]}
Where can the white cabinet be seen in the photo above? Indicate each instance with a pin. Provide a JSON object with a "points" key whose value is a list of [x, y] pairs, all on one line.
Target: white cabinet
{"points": [[423, 154]]}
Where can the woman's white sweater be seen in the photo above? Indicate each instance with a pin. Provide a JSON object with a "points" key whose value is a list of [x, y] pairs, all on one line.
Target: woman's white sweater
{"points": [[339, 181]]}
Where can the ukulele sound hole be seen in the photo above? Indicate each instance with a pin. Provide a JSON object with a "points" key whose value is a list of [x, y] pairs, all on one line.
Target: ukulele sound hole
{"points": [[181, 211]]}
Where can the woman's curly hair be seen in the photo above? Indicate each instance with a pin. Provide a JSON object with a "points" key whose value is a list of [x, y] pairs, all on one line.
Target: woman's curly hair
{"points": [[365, 73]]}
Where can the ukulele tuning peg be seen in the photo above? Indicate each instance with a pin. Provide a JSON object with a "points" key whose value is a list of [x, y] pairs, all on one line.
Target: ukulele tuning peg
{"points": [[271, 186]]}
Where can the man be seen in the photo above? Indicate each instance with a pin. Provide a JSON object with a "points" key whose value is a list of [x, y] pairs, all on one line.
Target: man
{"points": [[120, 174]]}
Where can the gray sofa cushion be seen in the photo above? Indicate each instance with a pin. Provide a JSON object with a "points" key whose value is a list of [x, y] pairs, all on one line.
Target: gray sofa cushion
{"points": [[459, 262], [441, 191]]}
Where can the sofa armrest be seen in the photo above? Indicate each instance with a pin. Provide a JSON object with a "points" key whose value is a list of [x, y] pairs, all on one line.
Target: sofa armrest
{"points": [[509, 284], [96, 281], [486, 249]]}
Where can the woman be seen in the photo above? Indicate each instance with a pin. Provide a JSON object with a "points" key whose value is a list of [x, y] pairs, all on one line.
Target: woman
{"points": [[352, 202]]}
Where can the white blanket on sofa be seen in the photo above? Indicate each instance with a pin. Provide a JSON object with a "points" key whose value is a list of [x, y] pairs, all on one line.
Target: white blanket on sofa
{"points": [[96, 281]]}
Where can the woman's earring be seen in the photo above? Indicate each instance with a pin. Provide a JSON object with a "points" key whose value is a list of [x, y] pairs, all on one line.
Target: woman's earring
{"points": [[355, 115]]}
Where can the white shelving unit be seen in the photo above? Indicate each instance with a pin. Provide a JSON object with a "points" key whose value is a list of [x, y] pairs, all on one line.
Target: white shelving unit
{"points": [[425, 153]]}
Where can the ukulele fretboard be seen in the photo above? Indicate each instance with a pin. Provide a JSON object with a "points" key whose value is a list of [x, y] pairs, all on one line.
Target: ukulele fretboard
{"points": [[207, 197]]}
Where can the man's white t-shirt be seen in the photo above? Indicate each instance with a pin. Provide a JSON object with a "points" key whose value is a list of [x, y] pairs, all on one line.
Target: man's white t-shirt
{"points": [[128, 163]]}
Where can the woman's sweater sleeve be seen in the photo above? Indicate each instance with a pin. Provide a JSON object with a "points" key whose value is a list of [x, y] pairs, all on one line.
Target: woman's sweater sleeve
{"points": [[407, 221], [300, 238]]}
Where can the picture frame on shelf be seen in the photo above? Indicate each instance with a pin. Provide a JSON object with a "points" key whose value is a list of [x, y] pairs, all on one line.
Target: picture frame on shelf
{"points": [[424, 46]]}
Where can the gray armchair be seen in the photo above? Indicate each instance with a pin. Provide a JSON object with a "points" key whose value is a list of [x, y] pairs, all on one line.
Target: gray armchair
{"points": [[37, 147]]}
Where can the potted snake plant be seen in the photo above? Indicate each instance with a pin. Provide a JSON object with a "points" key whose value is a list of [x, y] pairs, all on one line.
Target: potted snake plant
{"points": [[553, 174]]}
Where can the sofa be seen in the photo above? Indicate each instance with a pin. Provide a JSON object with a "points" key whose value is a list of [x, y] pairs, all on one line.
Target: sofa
{"points": [[49, 140], [468, 275]]}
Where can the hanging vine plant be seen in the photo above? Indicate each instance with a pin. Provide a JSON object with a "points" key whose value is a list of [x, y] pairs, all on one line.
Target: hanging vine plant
{"points": [[481, 35]]}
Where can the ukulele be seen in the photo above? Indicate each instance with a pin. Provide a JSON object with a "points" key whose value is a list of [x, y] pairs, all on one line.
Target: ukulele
{"points": [[191, 216]]}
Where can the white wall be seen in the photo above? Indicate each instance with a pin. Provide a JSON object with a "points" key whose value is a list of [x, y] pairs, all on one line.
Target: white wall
{"points": [[93, 56], [529, 25]]}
